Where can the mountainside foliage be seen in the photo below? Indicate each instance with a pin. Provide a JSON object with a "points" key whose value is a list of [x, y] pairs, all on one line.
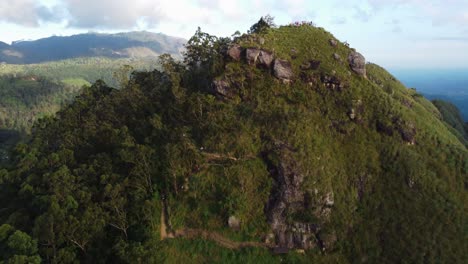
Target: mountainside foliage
{"points": [[276, 131], [80, 71], [24, 99], [452, 116]]}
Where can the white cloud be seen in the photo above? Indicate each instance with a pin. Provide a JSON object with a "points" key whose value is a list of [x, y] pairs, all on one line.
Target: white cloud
{"points": [[439, 12], [23, 12]]}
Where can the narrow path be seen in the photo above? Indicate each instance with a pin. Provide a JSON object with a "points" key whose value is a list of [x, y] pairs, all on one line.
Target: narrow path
{"points": [[166, 232], [219, 239]]}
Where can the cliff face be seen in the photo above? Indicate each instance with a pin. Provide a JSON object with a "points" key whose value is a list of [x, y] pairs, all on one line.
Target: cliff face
{"points": [[284, 140]]}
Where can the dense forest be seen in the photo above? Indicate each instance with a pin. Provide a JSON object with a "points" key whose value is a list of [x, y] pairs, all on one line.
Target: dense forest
{"points": [[280, 145], [24, 99], [80, 71]]}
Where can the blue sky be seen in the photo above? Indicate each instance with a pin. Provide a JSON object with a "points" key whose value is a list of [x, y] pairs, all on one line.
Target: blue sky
{"points": [[392, 33]]}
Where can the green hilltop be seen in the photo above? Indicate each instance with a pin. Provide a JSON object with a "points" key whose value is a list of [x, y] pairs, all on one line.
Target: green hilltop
{"points": [[281, 145]]}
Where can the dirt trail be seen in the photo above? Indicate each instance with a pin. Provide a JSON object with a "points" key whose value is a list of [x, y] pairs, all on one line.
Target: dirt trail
{"points": [[219, 239], [166, 232]]}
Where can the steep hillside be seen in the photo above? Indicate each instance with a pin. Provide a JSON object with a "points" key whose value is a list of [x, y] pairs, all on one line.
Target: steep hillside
{"points": [[122, 45], [277, 146], [452, 116]]}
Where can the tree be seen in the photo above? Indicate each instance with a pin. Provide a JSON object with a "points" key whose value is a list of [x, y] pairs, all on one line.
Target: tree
{"points": [[262, 25], [199, 48], [17, 246], [122, 75]]}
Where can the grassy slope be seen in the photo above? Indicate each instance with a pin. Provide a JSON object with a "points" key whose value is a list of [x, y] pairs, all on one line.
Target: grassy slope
{"points": [[302, 116]]}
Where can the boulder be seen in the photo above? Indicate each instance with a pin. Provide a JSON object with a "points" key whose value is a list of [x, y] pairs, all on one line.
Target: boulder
{"points": [[311, 65], [234, 52], [252, 55], [222, 88], [357, 62], [336, 56], [333, 42], [234, 223], [282, 70], [265, 59]]}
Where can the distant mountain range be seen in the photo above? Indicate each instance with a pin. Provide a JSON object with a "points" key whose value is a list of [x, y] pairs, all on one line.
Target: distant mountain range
{"points": [[141, 44]]}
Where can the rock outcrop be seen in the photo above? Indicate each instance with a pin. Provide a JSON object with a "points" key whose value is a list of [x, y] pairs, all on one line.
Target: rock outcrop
{"points": [[265, 59], [310, 65], [261, 58], [287, 198], [333, 42], [252, 55], [332, 82], [235, 52], [282, 70], [357, 62], [407, 130], [222, 89]]}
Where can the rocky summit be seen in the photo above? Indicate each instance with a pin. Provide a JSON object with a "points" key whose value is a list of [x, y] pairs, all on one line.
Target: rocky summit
{"points": [[281, 145]]}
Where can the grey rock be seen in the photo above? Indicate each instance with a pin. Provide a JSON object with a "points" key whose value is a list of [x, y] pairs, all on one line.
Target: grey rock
{"points": [[331, 82], [333, 42], [265, 59], [336, 56], [234, 52], [222, 88], [287, 197], [234, 223], [252, 55], [357, 62], [282, 69]]}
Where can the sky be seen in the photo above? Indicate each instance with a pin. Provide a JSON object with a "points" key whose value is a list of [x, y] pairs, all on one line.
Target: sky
{"points": [[392, 33]]}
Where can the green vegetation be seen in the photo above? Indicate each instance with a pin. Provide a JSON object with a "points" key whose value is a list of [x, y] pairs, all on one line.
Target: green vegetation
{"points": [[365, 164], [79, 71], [452, 116], [24, 99]]}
